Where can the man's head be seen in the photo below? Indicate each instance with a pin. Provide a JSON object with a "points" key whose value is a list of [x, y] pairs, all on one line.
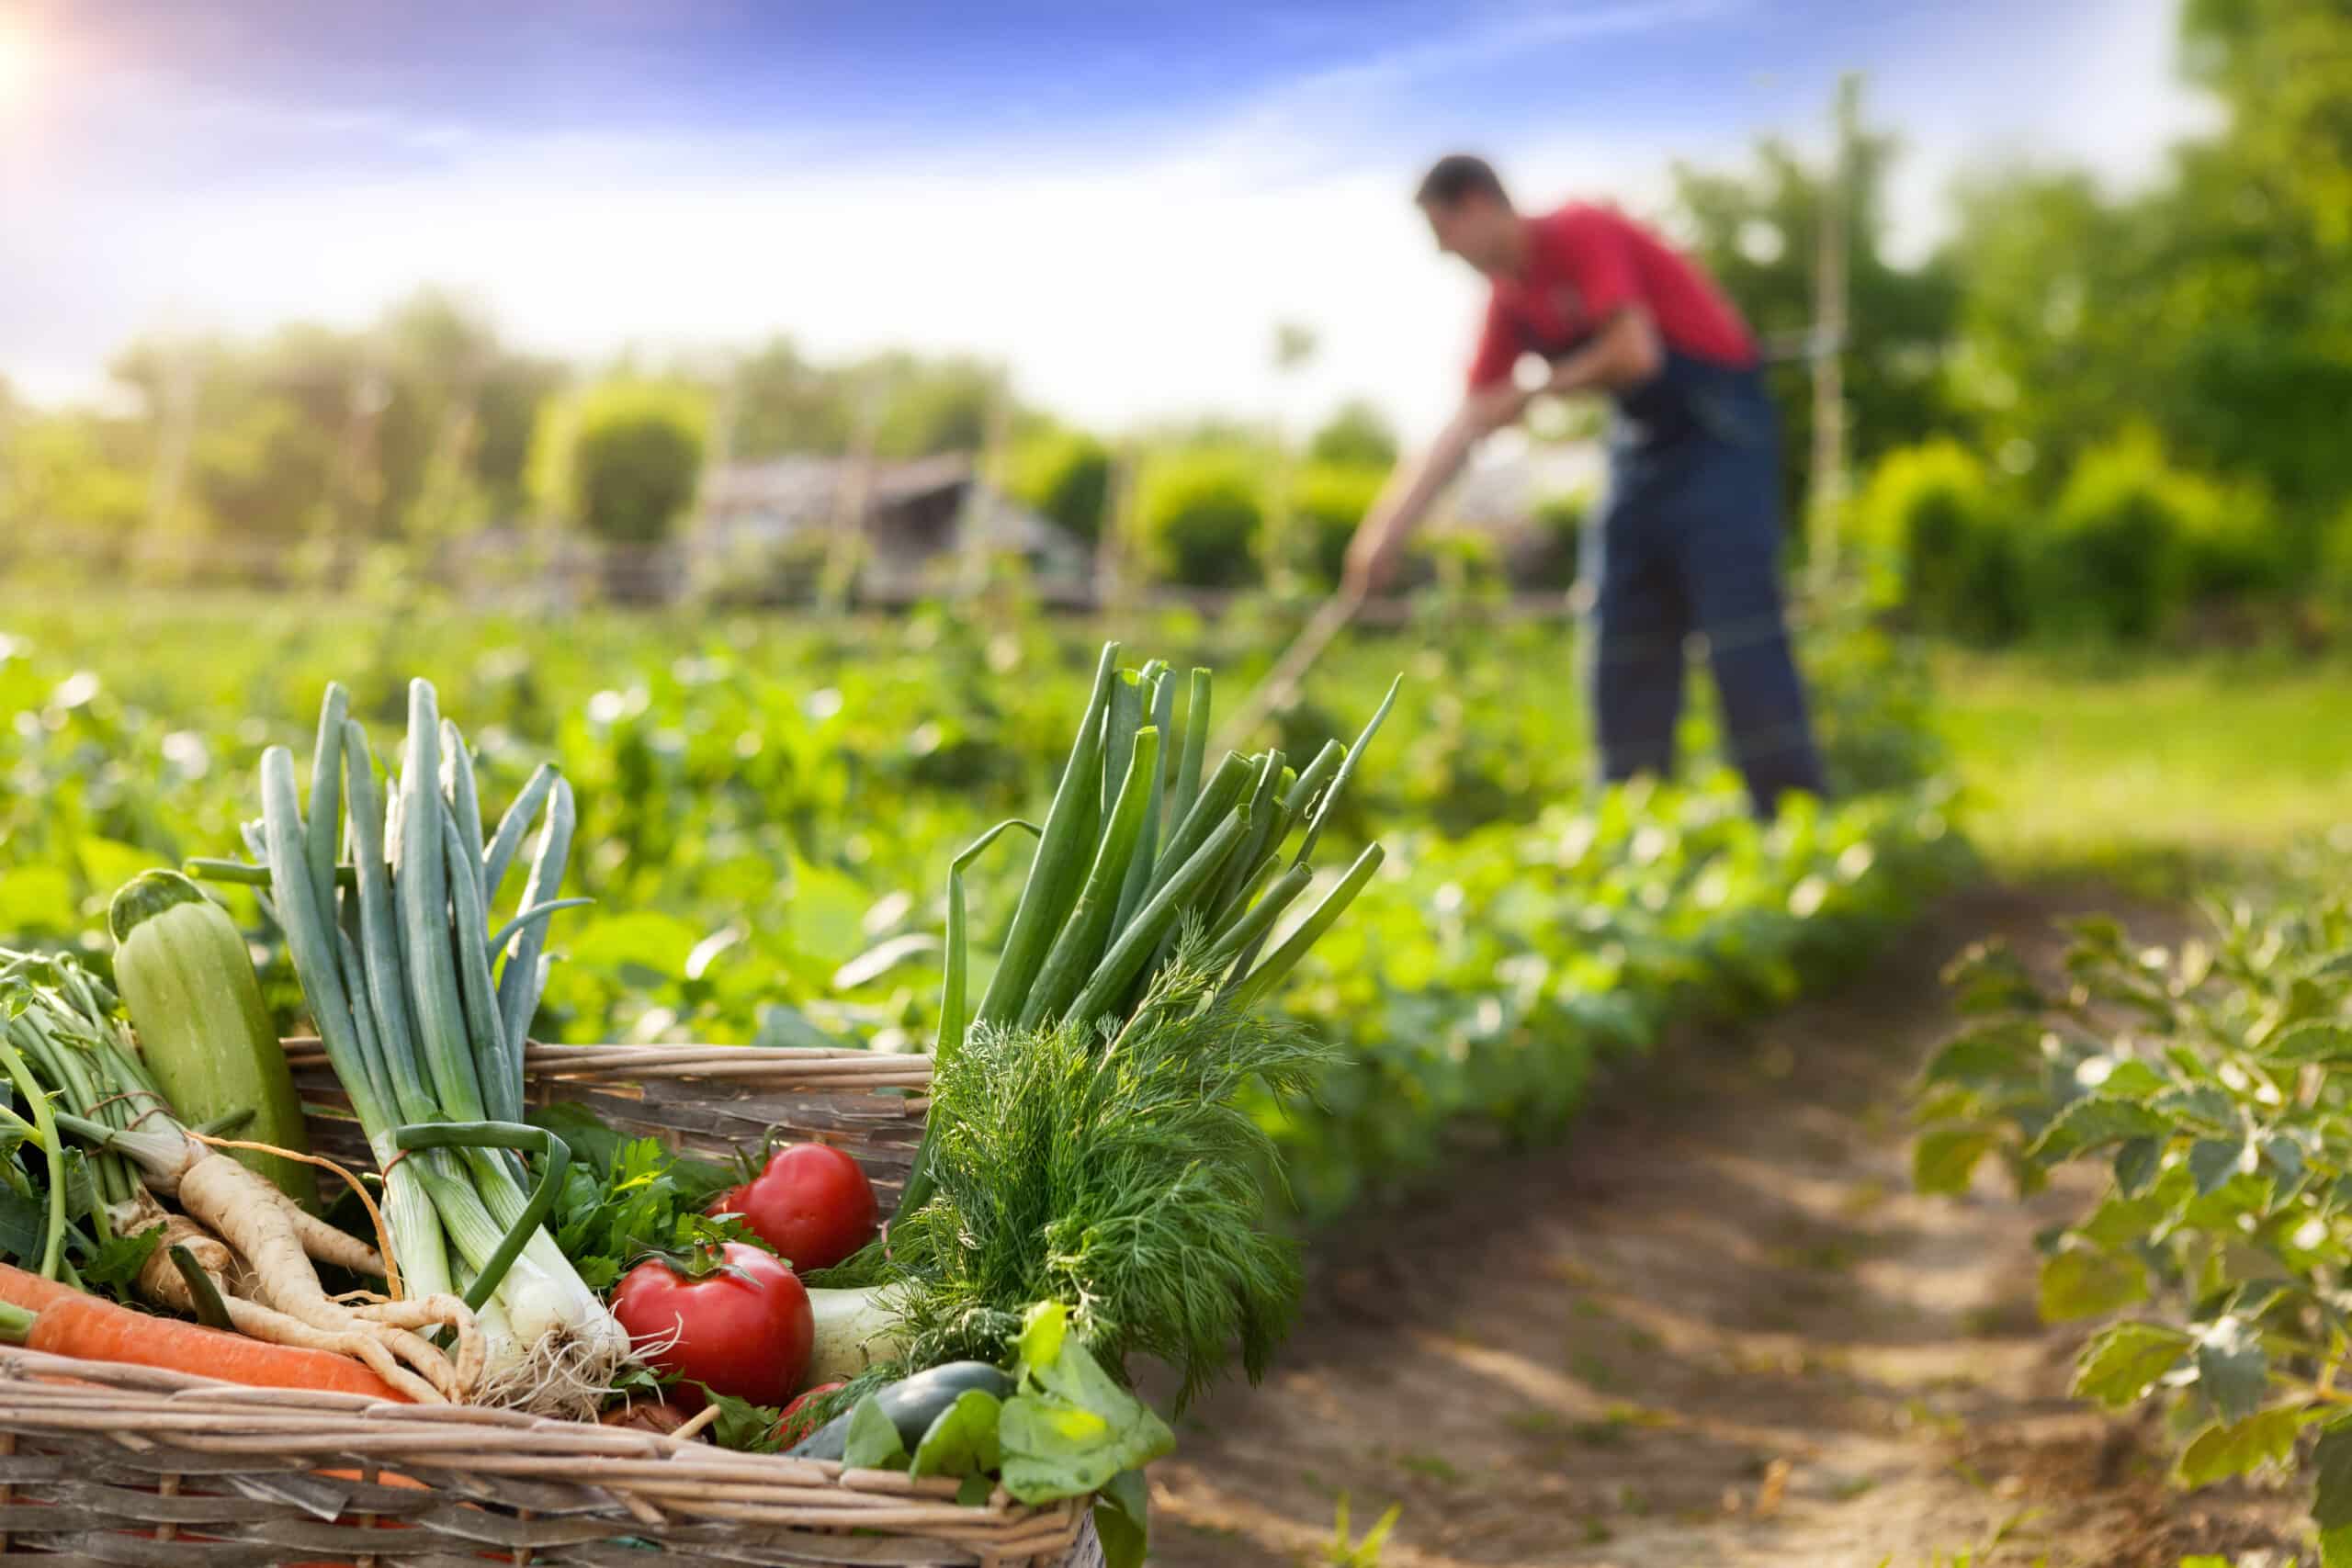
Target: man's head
{"points": [[1469, 212]]}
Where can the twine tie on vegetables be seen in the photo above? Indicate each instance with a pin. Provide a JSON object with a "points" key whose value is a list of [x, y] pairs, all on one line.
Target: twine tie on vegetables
{"points": [[158, 1109]]}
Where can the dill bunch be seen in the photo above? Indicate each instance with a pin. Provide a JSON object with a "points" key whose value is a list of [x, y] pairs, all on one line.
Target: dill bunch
{"points": [[1117, 1174]]}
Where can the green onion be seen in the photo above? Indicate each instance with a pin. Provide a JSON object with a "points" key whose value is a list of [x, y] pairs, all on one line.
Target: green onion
{"points": [[1064, 848], [427, 1037]]}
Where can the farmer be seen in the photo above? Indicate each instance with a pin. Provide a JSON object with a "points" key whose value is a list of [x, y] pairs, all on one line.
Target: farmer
{"points": [[1689, 535]]}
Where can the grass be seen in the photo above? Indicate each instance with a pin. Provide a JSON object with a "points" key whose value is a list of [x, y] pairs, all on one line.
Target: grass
{"points": [[2151, 770]]}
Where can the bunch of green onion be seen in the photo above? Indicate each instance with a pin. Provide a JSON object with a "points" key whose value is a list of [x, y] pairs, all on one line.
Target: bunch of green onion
{"points": [[1133, 864], [425, 1030]]}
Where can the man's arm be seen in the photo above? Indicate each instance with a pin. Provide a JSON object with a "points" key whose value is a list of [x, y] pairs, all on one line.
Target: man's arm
{"points": [[1624, 353], [1414, 487]]}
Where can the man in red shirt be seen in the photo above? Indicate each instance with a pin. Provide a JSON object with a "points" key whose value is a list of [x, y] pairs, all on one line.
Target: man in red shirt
{"points": [[1688, 537]]}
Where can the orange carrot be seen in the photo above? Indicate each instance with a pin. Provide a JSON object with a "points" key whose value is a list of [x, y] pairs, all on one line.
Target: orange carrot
{"points": [[21, 1287], [82, 1326]]}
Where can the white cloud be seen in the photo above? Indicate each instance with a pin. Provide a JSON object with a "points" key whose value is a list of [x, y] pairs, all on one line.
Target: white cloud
{"points": [[2091, 84], [1119, 285]]}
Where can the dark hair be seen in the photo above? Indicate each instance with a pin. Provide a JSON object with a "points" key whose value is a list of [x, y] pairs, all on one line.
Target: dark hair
{"points": [[1458, 175]]}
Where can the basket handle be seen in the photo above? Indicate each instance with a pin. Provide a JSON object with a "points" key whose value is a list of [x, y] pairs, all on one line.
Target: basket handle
{"points": [[497, 1136]]}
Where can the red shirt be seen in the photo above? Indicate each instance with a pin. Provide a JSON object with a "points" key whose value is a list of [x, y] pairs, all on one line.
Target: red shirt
{"points": [[1585, 264]]}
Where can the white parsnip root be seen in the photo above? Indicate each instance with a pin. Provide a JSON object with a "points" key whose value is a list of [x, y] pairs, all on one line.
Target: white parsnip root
{"points": [[257, 1245]]}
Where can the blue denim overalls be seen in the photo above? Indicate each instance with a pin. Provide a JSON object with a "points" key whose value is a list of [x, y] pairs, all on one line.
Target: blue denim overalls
{"points": [[1689, 541]]}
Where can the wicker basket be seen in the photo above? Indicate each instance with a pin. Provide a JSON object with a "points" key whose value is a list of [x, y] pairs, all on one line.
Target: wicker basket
{"points": [[130, 1465]]}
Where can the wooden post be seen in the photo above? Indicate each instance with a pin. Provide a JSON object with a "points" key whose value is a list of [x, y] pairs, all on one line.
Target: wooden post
{"points": [[1114, 543], [845, 547], [988, 482], [175, 436], [716, 453], [356, 478], [1827, 492]]}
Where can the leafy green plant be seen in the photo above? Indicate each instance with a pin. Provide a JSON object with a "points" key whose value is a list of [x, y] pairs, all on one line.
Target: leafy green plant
{"points": [[1345, 1550], [2206, 1083], [1934, 514]]}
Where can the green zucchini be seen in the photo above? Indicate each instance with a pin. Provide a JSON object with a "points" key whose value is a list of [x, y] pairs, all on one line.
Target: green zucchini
{"points": [[196, 1006], [911, 1404]]}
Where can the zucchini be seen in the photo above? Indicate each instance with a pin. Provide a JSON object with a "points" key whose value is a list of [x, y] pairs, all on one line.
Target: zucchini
{"points": [[203, 1031], [911, 1404]]}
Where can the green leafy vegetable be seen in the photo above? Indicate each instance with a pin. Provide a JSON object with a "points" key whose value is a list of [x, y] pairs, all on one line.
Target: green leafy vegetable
{"points": [[963, 1440], [743, 1425], [114, 1264], [647, 1200], [873, 1440], [1070, 1430], [1132, 1186], [1122, 1520]]}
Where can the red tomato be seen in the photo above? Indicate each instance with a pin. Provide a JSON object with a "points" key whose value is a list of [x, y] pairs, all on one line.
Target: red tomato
{"points": [[795, 1425], [743, 1329], [812, 1205]]}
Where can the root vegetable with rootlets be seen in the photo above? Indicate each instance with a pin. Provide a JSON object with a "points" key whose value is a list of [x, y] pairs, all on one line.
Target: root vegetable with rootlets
{"points": [[250, 1244]]}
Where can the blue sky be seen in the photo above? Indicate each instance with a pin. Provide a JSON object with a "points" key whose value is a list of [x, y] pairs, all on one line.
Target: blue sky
{"points": [[1119, 199]]}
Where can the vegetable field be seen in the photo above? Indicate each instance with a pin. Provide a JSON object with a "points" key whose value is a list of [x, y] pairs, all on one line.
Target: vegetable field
{"points": [[766, 812], [1390, 960]]}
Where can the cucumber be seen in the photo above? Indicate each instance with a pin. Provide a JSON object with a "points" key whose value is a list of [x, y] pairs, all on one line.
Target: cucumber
{"points": [[911, 1404], [203, 1029]]}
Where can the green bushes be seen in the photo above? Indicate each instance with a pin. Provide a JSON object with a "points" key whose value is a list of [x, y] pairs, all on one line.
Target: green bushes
{"points": [[2125, 546], [1066, 476], [621, 459], [1932, 513], [1327, 502], [1201, 519], [2112, 562]]}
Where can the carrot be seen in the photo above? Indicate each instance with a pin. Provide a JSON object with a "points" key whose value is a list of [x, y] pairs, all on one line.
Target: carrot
{"points": [[22, 1287], [85, 1326]]}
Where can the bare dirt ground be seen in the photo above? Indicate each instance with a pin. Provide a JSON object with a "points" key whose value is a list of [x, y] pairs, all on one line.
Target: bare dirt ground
{"points": [[1717, 1331]]}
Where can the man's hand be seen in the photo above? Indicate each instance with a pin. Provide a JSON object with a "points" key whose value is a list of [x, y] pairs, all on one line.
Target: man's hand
{"points": [[1380, 539]]}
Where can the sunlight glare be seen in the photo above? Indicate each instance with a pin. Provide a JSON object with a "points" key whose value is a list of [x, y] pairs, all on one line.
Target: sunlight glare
{"points": [[16, 60]]}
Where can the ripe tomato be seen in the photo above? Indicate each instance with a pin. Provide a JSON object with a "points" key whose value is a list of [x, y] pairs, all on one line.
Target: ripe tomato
{"points": [[795, 1425], [741, 1321], [812, 1205]]}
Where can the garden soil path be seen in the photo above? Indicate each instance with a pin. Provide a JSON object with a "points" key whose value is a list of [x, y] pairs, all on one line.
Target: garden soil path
{"points": [[1718, 1330]]}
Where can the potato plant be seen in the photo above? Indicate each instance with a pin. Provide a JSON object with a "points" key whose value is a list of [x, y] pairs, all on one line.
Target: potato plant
{"points": [[2207, 1082]]}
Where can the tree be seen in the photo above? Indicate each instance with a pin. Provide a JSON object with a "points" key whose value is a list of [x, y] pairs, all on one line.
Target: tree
{"points": [[2216, 307], [1755, 232], [1357, 435], [923, 407], [72, 472], [784, 402], [620, 458]]}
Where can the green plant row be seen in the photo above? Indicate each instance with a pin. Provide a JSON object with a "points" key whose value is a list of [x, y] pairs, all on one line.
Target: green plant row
{"points": [[2206, 1086], [1483, 983]]}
